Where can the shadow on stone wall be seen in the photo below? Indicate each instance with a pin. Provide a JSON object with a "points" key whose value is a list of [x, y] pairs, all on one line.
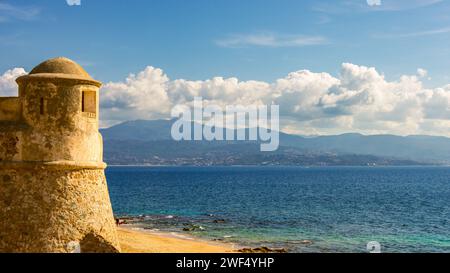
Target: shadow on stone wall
{"points": [[93, 243]]}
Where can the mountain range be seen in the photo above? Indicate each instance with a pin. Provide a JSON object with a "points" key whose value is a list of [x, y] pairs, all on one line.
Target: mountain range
{"points": [[145, 142]]}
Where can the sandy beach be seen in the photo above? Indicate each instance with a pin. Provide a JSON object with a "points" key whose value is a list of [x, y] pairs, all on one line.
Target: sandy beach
{"points": [[140, 241]]}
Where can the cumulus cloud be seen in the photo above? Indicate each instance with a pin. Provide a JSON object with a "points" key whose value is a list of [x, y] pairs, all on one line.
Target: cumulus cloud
{"points": [[374, 3], [359, 99], [422, 72], [141, 96], [8, 86], [73, 2]]}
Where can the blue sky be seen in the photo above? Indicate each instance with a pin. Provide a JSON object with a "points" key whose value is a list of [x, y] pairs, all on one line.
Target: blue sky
{"points": [[200, 39], [366, 66]]}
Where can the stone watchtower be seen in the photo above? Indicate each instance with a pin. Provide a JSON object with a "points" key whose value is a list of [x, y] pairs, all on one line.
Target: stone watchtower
{"points": [[53, 191]]}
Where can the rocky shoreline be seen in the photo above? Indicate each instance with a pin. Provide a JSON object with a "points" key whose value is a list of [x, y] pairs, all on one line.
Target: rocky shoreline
{"points": [[136, 221]]}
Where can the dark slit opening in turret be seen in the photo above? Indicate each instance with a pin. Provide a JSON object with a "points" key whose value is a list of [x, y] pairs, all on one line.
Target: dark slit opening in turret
{"points": [[41, 108]]}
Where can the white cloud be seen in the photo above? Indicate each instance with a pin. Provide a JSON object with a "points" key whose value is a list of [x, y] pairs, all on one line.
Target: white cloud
{"points": [[8, 86], [73, 2], [270, 40], [141, 96], [422, 72], [358, 99], [374, 3]]}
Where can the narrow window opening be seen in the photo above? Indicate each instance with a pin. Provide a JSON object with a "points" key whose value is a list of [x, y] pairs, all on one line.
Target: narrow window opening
{"points": [[42, 106], [82, 102]]}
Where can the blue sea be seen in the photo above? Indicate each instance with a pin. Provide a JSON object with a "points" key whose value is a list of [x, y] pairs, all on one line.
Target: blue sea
{"points": [[335, 209]]}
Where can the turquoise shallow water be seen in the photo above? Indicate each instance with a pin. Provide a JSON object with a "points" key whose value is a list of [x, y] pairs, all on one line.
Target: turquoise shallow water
{"points": [[339, 209]]}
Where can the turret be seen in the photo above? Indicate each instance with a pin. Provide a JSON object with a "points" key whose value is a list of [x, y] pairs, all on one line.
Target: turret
{"points": [[60, 101], [53, 194]]}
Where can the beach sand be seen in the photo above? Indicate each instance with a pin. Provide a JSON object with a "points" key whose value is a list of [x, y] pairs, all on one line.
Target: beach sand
{"points": [[137, 241]]}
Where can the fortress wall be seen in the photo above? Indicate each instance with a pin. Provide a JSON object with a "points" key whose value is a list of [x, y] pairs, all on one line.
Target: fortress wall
{"points": [[10, 109], [10, 143], [44, 208]]}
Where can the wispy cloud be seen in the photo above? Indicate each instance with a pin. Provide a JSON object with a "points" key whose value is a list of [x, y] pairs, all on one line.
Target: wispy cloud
{"points": [[429, 32], [343, 7], [269, 40], [10, 12], [398, 5]]}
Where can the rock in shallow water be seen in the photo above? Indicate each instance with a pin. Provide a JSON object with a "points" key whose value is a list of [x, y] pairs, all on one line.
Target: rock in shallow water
{"points": [[262, 249]]}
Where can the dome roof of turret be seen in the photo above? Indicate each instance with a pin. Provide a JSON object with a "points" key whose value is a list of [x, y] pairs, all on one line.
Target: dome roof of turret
{"points": [[60, 68], [60, 65]]}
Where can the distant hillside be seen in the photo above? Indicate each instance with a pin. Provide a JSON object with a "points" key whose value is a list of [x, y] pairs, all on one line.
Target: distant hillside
{"points": [[149, 142], [420, 148]]}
